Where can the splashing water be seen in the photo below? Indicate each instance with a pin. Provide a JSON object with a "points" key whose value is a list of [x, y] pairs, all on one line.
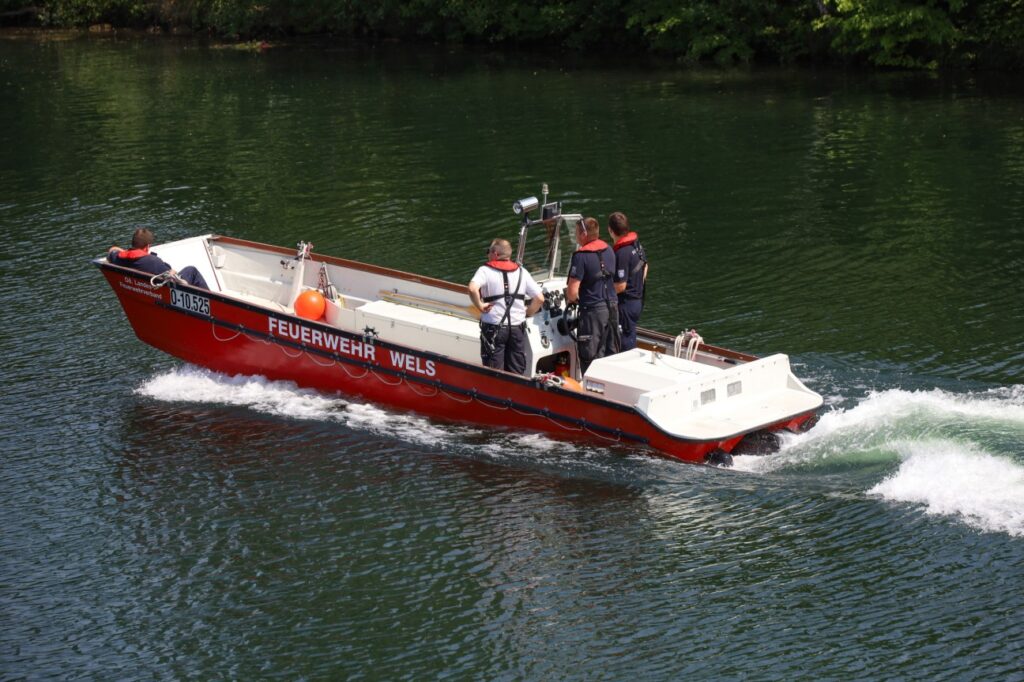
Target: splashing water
{"points": [[958, 455], [953, 479], [285, 399]]}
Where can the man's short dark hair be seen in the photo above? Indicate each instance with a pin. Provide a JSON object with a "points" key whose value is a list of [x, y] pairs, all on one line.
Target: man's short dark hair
{"points": [[618, 223], [142, 238], [592, 227]]}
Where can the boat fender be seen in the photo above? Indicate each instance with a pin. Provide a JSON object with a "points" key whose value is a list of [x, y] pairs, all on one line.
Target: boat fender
{"points": [[310, 304]]}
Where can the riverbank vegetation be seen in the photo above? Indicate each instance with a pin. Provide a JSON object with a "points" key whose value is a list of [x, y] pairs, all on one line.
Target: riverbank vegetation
{"points": [[919, 34]]}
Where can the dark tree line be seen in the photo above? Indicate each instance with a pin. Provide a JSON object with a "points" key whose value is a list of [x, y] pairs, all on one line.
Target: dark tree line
{"points": [[887, 33]]}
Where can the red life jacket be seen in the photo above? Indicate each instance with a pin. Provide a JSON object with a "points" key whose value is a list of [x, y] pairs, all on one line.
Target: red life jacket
{"points": [[625, 241], [133, 254], [595, 245], [503, 265]]}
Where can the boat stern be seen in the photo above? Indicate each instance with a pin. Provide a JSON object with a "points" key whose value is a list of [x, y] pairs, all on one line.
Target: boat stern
{"points": [[705, 402]]}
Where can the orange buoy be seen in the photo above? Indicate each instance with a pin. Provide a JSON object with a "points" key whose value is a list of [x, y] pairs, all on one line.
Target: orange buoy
{"points": [[310, 305]]}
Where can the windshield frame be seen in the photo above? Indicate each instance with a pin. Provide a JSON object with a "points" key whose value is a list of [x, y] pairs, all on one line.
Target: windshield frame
{"points": [[553, 264]]}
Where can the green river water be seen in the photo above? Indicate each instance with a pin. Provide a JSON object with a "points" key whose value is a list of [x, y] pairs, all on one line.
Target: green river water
{"points": [[160, 521]]}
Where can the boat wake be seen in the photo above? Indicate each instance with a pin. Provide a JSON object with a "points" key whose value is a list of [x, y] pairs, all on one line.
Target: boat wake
{"points": [[957, 455], [960, 480], [285, 399]]}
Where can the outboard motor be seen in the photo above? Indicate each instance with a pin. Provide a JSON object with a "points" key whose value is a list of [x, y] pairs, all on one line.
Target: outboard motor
{"points": [[718, 458]]}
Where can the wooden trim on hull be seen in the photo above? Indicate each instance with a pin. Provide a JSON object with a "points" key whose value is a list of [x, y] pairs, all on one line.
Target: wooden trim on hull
{"points": [[345, 263]]}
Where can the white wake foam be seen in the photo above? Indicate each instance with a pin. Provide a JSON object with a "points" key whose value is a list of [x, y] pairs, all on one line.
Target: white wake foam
{"points": [[953, 479], [958, 455], [868, 431], [285, 399], [897, 411], [281, 398]]}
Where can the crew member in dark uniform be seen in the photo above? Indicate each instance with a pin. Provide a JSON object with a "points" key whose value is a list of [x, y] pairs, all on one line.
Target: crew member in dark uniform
{"points": [[139, 257], [630, 277], [591, 283]]}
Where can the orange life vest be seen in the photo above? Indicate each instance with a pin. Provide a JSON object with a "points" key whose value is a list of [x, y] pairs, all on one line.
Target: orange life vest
{"points": [[133, 254], [625, 241], [503, 265]]}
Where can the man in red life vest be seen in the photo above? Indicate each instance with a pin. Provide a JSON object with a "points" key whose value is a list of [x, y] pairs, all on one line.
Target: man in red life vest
{"points": [[630, 276], [140, 258], [591, 283], [499, 290]]}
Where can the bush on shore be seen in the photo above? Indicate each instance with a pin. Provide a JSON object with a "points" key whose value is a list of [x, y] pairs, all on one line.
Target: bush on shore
{"points": [[883, 33]]}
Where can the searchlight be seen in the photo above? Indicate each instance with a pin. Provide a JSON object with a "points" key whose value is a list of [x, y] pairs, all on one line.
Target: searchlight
{"points": [[524, 206]]}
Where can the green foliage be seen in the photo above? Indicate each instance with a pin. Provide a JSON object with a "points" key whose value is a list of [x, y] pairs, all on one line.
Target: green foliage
{"points": [[725, 31], [83, 12], [887, 33], [905, 33], [992, 33]]}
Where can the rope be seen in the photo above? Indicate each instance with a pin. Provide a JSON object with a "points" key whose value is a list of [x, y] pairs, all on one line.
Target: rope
{"points": [[254, 339], [452, 397], [412, 386], [386, 383], [561, 425], [213, 330], [550, 379], [350, 374], [157, 281], [616, 439], [493, 407], [312, 357], [289, 354], [691, 340]]}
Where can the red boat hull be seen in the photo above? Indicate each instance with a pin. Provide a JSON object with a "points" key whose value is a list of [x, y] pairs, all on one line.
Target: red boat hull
{"points": [[237, 338]]}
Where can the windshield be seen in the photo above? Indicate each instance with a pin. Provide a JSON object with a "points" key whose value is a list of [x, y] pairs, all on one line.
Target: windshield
{"points": [[549, 245]]}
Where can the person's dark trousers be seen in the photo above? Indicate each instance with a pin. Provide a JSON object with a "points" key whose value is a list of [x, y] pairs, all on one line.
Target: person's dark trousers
{"points": [[503, 347], [193, 277], [629, 317], [613, 343], [592, 334]]}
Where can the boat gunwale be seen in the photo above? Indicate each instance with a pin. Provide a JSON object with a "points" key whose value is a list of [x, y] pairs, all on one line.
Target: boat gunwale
{"points": [[346, 263], [458, 288]]}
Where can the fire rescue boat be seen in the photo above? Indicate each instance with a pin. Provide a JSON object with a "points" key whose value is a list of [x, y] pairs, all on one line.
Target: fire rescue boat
{"points": [[413, 343]]}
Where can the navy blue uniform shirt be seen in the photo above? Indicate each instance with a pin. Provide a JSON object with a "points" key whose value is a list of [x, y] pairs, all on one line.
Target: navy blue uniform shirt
{"points": [[628, 267], [596, 285]]}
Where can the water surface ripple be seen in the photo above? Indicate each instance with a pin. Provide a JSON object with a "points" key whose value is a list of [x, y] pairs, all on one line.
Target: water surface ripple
{"points": [[163, 521]]}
